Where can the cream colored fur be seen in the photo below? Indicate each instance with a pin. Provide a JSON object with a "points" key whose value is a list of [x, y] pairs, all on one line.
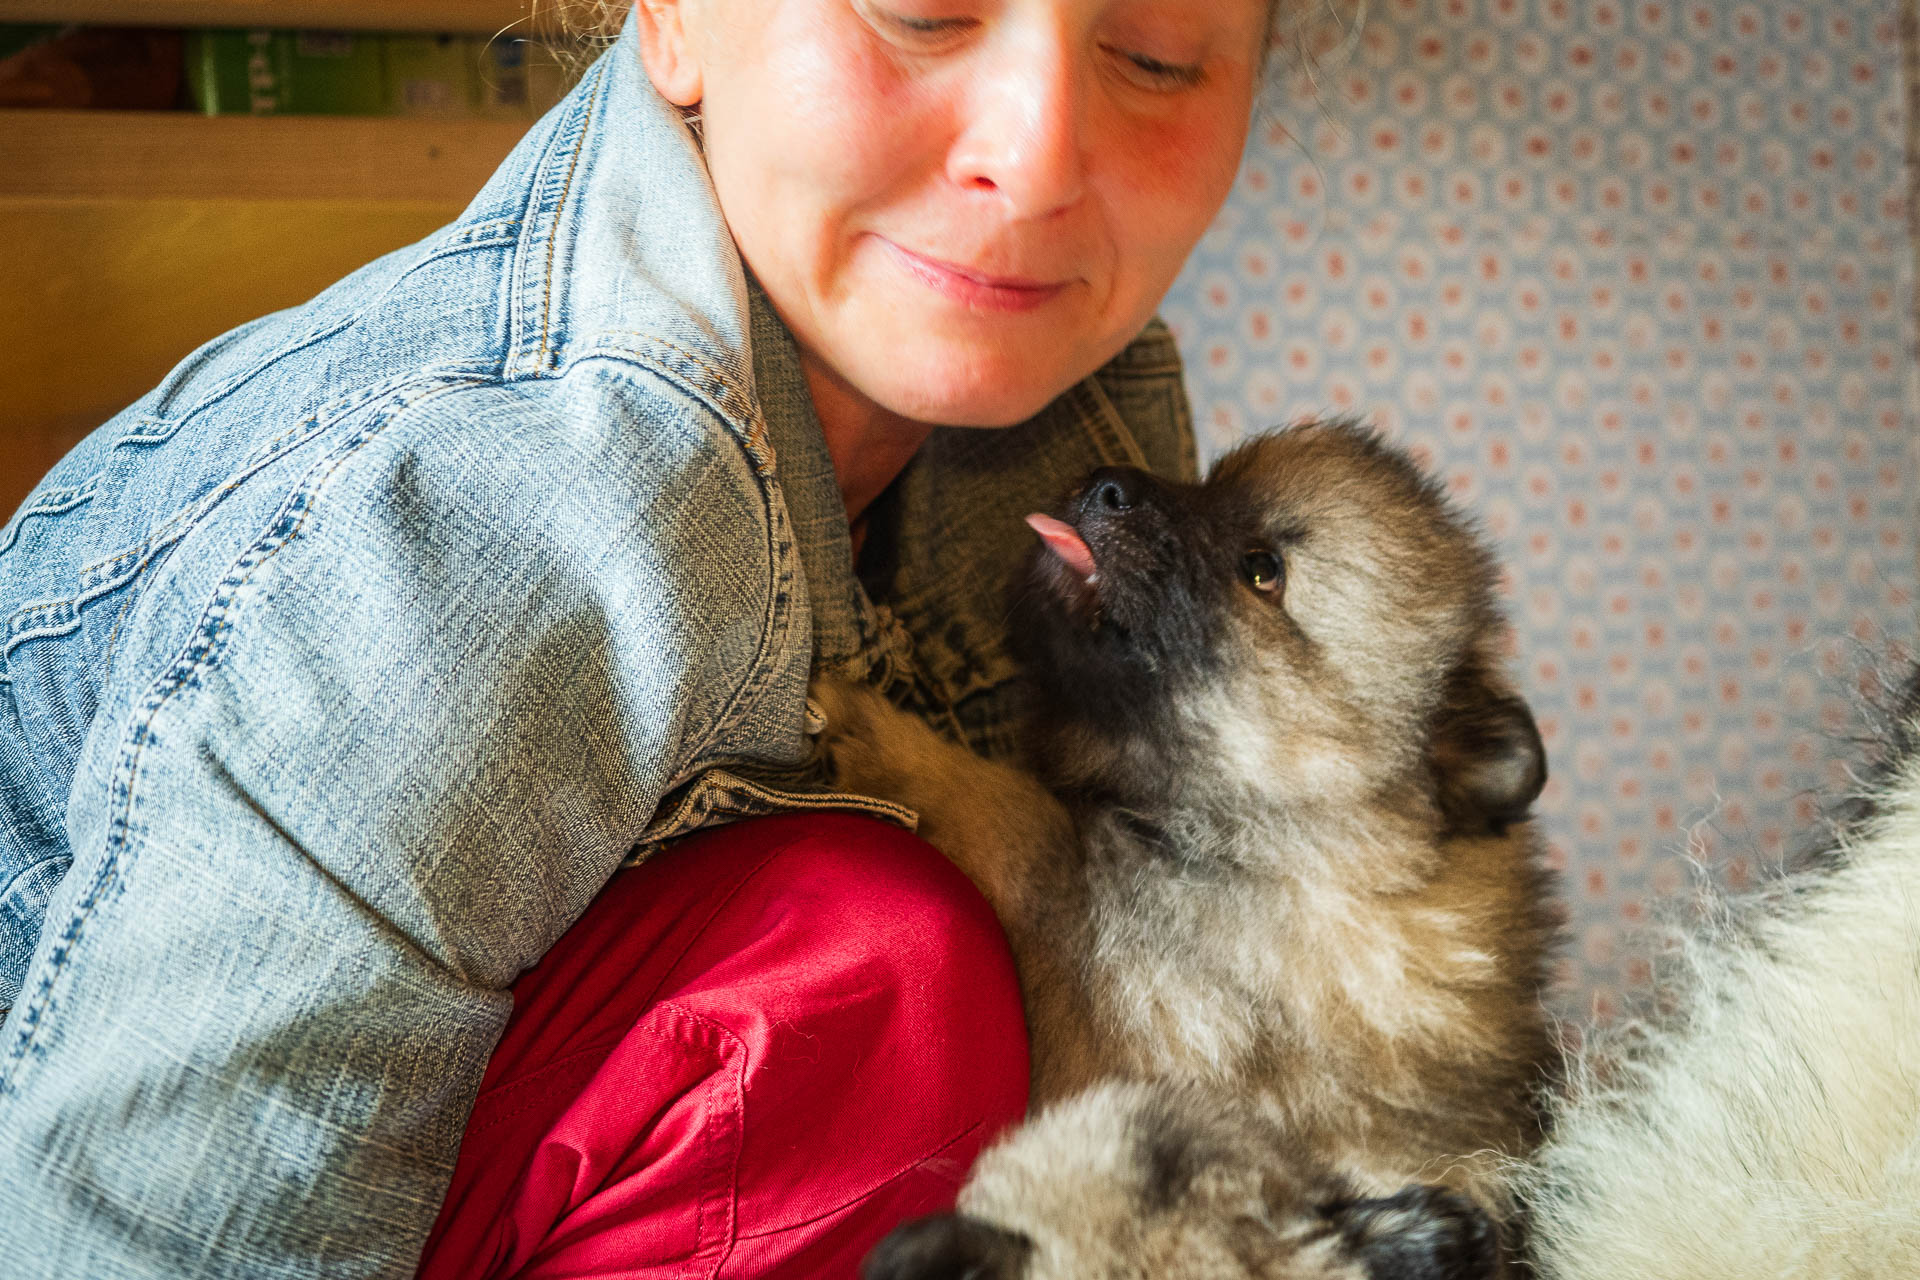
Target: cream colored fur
{"points": [[1774, 1131]]}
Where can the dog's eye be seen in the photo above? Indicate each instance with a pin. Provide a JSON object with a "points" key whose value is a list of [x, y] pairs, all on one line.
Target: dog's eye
{"points": [[1262, 569]]}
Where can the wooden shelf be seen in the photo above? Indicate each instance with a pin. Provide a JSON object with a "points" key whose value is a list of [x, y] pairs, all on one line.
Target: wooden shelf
{"points": [[479, 17], [139, 235], [114, 155]]}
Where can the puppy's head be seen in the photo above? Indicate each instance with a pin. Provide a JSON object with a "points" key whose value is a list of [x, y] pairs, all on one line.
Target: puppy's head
{"points": [[1314, 620], [1179, 1183]]}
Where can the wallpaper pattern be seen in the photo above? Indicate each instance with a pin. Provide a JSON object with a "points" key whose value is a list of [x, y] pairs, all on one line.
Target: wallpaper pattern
{"points": [[1637, 279]]}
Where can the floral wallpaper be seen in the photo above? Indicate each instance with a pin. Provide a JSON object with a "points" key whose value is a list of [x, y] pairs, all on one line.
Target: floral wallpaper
{"points": [[1637, 278]]}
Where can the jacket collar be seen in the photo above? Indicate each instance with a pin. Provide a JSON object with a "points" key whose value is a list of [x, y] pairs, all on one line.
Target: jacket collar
{"points": [[591, 190], [622, 247]]}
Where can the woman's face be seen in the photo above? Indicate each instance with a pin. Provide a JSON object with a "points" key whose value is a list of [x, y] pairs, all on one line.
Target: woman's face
{"points": [[962, 207]]}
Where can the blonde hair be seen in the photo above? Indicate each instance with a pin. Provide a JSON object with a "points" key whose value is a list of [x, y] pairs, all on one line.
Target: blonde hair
{"points": [[588, 20]]}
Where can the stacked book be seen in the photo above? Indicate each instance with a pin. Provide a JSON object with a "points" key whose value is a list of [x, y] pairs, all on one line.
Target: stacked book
{"points": [[282, 72]]}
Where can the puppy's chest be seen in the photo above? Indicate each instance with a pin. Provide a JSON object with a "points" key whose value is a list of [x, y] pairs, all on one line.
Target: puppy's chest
{"points": [[1247, 979]]}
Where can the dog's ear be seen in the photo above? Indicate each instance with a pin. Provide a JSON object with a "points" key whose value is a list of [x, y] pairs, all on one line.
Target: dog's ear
{"points": [[950, 1246], [1488, 761], [1421, 1233]]}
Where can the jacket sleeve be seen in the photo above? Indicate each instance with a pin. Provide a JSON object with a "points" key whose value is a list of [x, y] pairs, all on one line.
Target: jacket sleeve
{"points": [[425, 705]]}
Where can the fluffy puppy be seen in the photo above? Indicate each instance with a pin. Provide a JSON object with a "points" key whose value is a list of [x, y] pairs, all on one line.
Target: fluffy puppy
{"points": [[1153, 1180], [1771, 1128], [1271, 833]]}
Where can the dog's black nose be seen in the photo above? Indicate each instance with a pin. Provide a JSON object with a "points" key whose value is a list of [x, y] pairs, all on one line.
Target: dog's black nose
{"points": [[1114, 489]]}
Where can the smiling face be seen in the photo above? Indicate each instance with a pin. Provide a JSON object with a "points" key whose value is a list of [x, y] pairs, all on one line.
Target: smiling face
{"points": [[962, 207]]}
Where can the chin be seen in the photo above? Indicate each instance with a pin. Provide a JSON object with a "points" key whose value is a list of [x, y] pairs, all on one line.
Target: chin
{"points": [[963, 389]]}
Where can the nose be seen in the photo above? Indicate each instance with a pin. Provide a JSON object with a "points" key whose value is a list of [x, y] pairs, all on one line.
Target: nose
{"points": [[1113, 491], [1022, 140]]}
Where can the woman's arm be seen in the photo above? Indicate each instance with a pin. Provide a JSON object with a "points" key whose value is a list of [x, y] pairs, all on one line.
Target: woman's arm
{"points": [[415, 723]]}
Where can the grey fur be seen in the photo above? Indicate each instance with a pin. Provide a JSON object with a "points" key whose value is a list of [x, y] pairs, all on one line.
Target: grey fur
{"points": [[1271, 841], [1131, 1181]]}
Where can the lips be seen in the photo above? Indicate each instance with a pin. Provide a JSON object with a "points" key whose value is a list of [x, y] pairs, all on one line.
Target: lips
{"points": [[977, 289]]}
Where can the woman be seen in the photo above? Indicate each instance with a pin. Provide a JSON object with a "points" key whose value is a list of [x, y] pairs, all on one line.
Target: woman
{"points": [[344, 669]]}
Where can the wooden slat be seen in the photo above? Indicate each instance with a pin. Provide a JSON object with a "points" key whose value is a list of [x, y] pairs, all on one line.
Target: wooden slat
{"points": [[104, 296], [483, 17], [133, 154]]}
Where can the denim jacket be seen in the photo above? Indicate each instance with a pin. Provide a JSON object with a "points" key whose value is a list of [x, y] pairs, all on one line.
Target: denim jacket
{"points": [[341, 671]]}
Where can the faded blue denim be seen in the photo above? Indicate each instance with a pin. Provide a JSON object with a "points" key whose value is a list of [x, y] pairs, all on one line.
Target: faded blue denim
{"points": [[341, 671]]}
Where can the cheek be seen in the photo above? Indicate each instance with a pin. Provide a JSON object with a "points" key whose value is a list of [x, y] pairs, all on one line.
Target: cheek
{"points": [[841, 114], [820, 129], [1166, 182]]}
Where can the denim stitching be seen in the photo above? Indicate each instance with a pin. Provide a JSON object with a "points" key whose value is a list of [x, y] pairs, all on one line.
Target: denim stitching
{"points": [[553, 237], [50, 503], [733, 401], [202, 653], [113, 636], [149, 429], [6, 890], [165, 391], [779, 624], [41, 619], [739, 792], [104, 575], [753, 442], [502, 230], [238, 380], [723, 396], [533, 223]]}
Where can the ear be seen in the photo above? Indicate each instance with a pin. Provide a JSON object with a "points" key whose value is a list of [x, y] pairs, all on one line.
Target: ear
{"points": [[666, 50], [1421, 1233], [951, 1246], [1488, 761]]}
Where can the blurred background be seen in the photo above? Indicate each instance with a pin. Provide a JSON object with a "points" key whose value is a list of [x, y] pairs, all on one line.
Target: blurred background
{"points": [[1635, 276], [170, 169]]}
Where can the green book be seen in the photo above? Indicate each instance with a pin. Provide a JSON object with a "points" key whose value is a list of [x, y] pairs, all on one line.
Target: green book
{"points": [[431, 75], [330, 73], [15, 36]]}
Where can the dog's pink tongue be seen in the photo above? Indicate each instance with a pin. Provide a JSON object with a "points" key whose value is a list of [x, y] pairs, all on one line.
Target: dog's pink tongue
{"points": [[1064, 541]]}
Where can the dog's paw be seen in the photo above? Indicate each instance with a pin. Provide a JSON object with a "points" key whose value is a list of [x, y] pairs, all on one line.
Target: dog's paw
{"points": [[846, 709], [857, 724], [950, 1246], [1420, 1233]]}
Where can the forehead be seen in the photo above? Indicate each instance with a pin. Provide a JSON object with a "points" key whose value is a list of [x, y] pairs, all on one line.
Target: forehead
{"points": [[1252, 16]]}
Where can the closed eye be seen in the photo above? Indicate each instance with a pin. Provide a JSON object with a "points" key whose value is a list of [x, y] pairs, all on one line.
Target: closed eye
{"points": [[1153, 73], [926, 26], [919, 32]]}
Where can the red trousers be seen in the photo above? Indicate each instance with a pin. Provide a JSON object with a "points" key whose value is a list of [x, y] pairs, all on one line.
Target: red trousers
{"points": [[752, 1056]]}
